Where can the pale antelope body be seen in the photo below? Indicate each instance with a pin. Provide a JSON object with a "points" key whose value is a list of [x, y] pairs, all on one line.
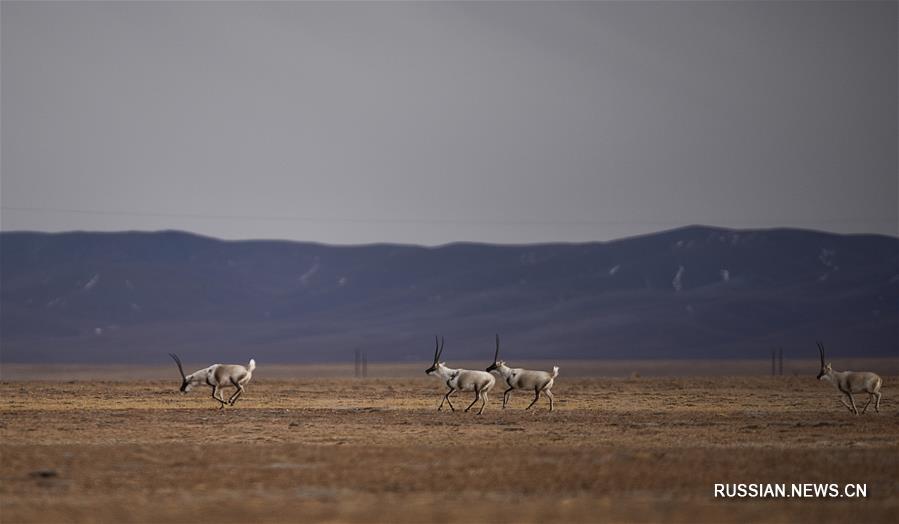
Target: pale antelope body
{"points": [[480, 382], [218, 376], [849, 382], [527, 379]]}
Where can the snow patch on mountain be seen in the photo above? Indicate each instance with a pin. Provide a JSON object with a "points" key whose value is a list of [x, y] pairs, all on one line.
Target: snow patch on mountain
{"points": [[56, 302], [826, 257], [307, 276], [91, 283], [528, 259], [677, 282]]}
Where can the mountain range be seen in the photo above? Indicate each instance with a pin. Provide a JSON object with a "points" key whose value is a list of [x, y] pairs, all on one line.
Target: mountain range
{"points": [[698, 292]]}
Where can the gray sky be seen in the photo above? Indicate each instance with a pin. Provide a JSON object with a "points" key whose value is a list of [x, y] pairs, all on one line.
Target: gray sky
{"points": [[435, 122]]}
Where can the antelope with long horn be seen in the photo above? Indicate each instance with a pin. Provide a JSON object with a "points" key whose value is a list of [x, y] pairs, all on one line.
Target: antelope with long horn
{"points": [[517, 378], [460, 380], [849, 382], [217, 376]]}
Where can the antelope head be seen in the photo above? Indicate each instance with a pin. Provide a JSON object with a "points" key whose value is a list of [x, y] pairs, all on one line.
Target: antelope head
{"points": [[496, 363], [438, 350], [186, 382], [826, 369]]}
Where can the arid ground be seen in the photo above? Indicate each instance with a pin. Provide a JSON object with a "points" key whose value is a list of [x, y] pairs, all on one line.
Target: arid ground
{"points": [[619, 449]]}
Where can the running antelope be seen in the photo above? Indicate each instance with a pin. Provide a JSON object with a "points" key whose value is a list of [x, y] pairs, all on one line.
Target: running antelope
{"points": [[517, 378], [217, 376], [849, 382], [480, 382]]}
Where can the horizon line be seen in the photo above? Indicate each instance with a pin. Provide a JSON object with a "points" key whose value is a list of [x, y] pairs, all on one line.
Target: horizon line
{"points": [[446, 244]]}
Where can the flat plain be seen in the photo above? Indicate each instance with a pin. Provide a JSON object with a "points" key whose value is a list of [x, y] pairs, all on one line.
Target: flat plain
{"points": [[617, 449]]}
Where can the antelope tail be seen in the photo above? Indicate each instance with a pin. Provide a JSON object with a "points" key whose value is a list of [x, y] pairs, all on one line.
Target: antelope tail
{"points": [[555, 371], [252, 365]]}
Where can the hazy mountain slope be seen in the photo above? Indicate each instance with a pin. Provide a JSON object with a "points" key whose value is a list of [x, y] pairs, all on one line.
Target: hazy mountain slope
{"points": [[695, 291]]}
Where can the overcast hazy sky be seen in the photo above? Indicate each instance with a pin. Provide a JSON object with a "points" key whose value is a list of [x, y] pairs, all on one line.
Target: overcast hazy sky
{"points": [[434, 122]]}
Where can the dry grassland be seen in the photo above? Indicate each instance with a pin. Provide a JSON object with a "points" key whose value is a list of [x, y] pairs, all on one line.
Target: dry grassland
{"points": [[346, 450]]}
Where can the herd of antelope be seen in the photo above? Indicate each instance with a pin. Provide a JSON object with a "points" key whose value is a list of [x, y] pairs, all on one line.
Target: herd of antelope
{"points": [[481, 382], [219, 376]]}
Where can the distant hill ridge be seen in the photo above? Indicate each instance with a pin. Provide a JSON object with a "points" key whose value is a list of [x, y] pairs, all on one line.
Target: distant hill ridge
{"points": [[690, 292]]}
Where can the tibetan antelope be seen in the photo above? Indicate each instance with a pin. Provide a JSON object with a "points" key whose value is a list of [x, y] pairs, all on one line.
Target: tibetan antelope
{"points": [[849, 382], [217, 376], [517, 378], [480, 382]]}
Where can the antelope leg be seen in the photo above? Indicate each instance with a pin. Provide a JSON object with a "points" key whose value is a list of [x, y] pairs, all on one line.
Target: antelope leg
{"points": [[215, 391], [536, 398], [506, 396], [237, 393], [549, 395], [447, 400], [852, 400], [483, 402], [843, 400], [477, 396], [870, 397]]}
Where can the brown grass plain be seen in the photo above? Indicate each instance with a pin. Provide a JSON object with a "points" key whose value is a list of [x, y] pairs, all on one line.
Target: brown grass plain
{"points": [[307, 445]]}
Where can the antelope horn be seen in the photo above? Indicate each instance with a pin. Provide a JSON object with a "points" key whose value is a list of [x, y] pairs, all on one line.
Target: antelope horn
{"points": [[821, 351], [441, 350], [496, 355], [178, 361], [436, 348]]}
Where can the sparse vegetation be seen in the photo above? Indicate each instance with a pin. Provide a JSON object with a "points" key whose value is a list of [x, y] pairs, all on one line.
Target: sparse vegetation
{"points": [[377, 450]]}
